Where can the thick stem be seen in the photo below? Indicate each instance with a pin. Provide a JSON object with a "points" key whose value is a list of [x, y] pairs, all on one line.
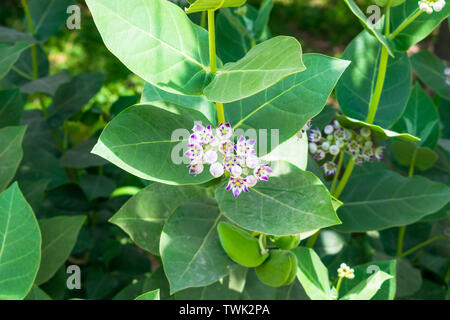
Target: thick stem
{"points": [[31, 30], [338, 171], [413, 16], [413, 163], [401, 237], [213, 60], [347, 173], [338, 286]]}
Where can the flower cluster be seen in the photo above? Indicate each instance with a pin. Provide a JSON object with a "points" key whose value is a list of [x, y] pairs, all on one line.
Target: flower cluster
{"points": [[325, 146], [346, 271], [447, 75], [430, 6], [236, 160]]}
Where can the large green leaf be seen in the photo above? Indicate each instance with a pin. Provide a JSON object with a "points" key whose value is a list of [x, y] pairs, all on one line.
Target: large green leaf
{"points": [[139, 140], [419, 28], [367, 288], [72, 96], [48, 16], [369, 26], [430, 70], [155, 96], [47, 85], [377, 131], [312, 274], [292, 102], [379, 199], [9, 54], [10, 153], [263, 66], [79, 157], [20, 245], [59, 235], [157, 41], [144, 215], [356, 86], [151, 295], [293, 150], [233, 37], [205, 5], [11, 107], [37, 293], [292, 201], [362, 272], [420, 118], [405, 152], [190, 248], [11, 36]]}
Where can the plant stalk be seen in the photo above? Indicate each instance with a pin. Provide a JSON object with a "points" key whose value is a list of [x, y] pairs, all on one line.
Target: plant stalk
{"points": [[338, 171], [413, 16], [213, 59], [421, 245], [31, 30]]}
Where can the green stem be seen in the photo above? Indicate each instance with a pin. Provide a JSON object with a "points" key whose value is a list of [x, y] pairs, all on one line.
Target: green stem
{"points": [[421, 245], [338, 171], [31, 30], [401, 237], [387, 20], [413, 163], [262, 244], [374, 102], [203, 19], [213, 59], [347, 173], [338, 286], [413, 16]]}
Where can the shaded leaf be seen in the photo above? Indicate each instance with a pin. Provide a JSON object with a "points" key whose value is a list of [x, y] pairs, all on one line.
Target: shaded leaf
{"points": [[95, 186], [12, 104], [205, 5], [47, 84], [10, 153], [9, 54]]}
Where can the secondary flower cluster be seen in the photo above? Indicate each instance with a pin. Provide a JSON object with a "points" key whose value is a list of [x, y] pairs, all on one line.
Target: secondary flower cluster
{"points": [[430, 6], [346, 271], [447, 74], [335, 139], [238, 161]]}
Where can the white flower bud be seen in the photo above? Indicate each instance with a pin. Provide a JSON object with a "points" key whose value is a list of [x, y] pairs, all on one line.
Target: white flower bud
{"points": [[236, 171], [325, 146], [216, 169], [312, 147], [365, 132], [334, 150], [252, 161], [210, 156], [328, 129], [251, 181]]}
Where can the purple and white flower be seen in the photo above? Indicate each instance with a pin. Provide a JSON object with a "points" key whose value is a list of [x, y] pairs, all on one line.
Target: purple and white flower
{"points": [[329, 168], [224, 131], [195, 168], [194, 152], [244, 147], [237, 185], [314, 135], [203, 134], [263, 172]]}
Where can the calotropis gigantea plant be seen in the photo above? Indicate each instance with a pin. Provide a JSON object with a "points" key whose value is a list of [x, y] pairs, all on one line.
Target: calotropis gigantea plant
{"points": [[234, 77]]}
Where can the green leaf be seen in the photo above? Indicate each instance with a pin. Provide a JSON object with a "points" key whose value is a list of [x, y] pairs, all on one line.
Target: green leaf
{"points": [[47, 85], [9, 54], [369, 26], [95, 186], [20, 245], [124, 102], [312, 274], [151, 295], [419, 29], [263, 18], [143, 216], [157, 97], [79, 157], [10, 153], [380, 199], [146, 149], [233, 33], [430, 70], [294, 151], [409, 279], [420, 118], [12, 104], [377, 131], [190, 248], [283, 106], [11, 36], [72, 96], [262, 67], [37, 293], [301, 197], [256, 290], [170, 53], [394, 3], [48, 16], [217, 291], [367, 288], [354, 90], [388, 288], [59, 235], [205, 5], [404, 152], [34, 192]]}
